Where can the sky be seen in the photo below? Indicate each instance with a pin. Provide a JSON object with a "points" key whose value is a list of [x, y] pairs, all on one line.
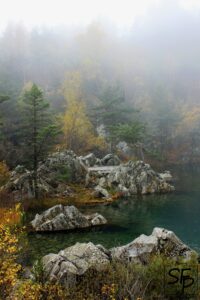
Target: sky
{"points": [[122, 13]]}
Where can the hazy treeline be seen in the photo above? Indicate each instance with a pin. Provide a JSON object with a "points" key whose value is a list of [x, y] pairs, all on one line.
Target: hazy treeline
{"points": [[155, 63]]}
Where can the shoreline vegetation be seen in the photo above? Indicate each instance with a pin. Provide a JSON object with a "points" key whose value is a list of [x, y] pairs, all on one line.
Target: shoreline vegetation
{"points": [[20, 282], [119, 280], [123, 280]]}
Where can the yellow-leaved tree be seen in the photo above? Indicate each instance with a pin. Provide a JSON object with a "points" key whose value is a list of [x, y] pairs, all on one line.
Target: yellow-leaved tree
{"points": [[79, 133]]}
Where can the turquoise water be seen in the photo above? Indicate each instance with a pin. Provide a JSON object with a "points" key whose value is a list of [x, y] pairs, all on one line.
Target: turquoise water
{"points": [[128, 218]]}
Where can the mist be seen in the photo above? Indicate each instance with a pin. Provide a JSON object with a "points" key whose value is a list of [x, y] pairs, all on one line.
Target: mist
{"points": [[154, 58], [99, 149]]}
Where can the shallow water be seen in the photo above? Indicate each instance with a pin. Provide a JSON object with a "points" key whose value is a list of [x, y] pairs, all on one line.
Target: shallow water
{"points": [[128, 218]]}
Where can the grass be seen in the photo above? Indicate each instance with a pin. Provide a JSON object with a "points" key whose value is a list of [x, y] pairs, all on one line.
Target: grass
{"points": [[127, 281], [121, 281], [81, 196]]}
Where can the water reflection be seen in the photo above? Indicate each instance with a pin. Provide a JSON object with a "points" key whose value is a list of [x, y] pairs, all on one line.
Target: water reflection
{"points": [[128, 218]]}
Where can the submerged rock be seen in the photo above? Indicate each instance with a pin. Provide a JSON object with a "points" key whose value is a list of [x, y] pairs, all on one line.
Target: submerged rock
{"points": [[75, 261], [61, 217]]}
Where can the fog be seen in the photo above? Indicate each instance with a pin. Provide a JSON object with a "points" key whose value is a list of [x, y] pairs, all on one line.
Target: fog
{"points": [[34, 13], [152, 48]]}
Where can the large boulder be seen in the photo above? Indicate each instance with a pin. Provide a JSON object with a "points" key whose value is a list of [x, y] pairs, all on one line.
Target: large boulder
{"points": [[61, 217], [161, 241], [75, 261], [129, 179]]}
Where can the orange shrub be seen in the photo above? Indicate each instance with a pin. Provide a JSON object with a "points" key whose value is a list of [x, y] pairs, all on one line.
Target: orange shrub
{"points": [[9, 249], [10, 217]]}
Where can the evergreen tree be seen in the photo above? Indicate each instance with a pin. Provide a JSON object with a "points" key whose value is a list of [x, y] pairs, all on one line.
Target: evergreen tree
{"points": [[38, 132], [112, 108], [113, 111], [133, 134], [3, 98]]}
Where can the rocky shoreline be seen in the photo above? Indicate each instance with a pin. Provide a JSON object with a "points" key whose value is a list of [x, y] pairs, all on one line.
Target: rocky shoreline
{"points": [[75, 261], [105, 177]]}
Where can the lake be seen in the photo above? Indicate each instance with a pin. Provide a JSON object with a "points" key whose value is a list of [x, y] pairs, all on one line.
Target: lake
{"points": [[128, 218]]}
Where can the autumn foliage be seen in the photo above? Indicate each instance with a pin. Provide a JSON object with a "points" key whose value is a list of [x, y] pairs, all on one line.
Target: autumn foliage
{"points": [[9, 249], [79, 133], [4, 173]]}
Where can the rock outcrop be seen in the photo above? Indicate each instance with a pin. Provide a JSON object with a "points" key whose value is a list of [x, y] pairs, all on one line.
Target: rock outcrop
{"points": [[75, 261], [161, 241], [108, 173], [61, 217], [130, 179], [54, 174]]}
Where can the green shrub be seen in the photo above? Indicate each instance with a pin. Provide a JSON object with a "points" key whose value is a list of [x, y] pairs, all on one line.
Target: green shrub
{"points": [[63, 174], [120, 281], [127, 281]]}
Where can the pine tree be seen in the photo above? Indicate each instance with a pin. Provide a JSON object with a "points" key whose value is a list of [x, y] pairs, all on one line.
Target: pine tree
{"points": [[133, 134], [38, 132], [3, 98], [112, 111], [112, 108]]}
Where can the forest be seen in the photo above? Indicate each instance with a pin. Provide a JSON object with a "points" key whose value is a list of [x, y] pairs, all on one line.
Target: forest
{"points": [[154, 74], [99, 150]]}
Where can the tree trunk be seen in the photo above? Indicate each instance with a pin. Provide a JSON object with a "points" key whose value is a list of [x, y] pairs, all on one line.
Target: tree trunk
{"points": [[35, 178], [141, 152], [35, 154]]}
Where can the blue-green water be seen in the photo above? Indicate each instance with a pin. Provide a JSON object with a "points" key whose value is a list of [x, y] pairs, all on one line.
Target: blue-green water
{"points": [[128, 218]]}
